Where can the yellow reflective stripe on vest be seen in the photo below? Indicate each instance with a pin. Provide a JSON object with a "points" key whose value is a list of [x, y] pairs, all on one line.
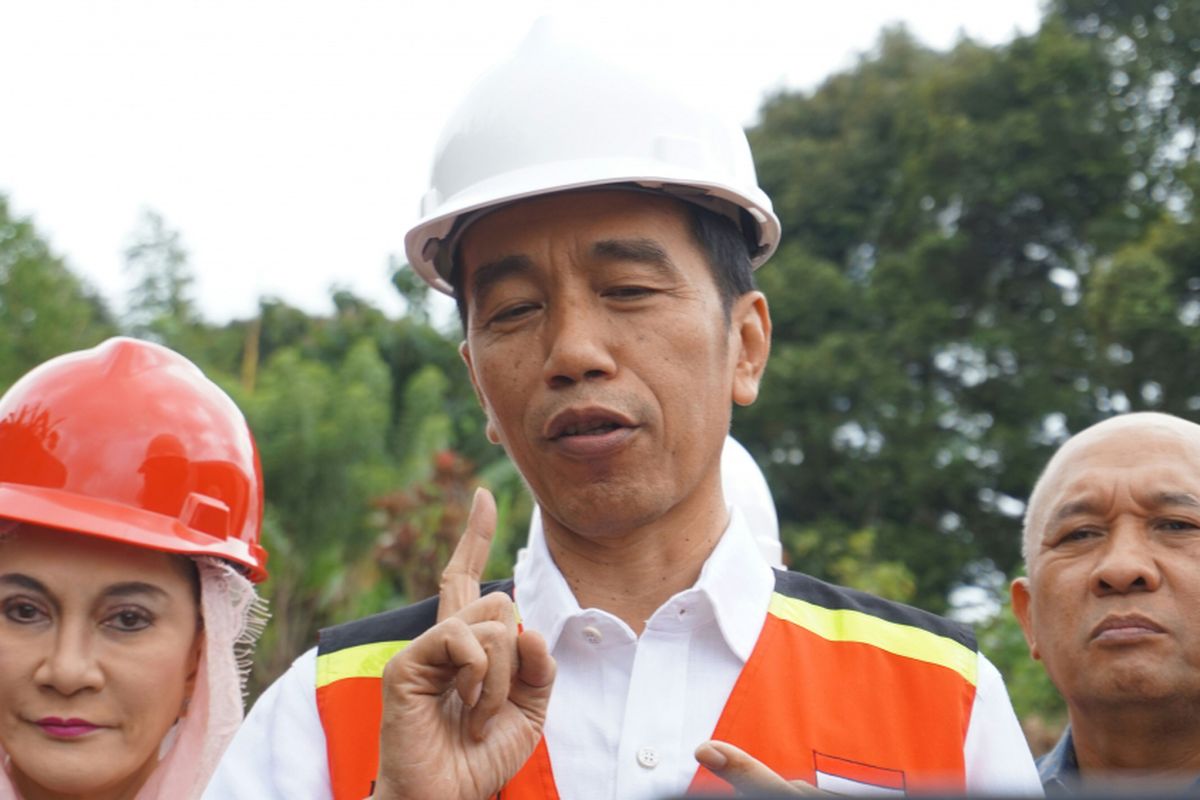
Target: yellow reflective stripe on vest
{"points": [[846, 625], [361, 661]]}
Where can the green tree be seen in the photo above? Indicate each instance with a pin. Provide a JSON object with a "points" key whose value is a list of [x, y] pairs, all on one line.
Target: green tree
{"points": [[941, 212], [160, 306], [1153, 49], [322, 434], [45, 310]]}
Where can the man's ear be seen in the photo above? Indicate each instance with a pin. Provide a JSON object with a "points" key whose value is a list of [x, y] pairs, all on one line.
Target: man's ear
{"points": [[1019, 592], [493, 433], [750, 338]]}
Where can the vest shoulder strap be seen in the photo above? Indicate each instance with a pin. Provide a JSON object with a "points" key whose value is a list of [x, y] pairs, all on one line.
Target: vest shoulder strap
{"points": [[805, 588], [398, 625]]}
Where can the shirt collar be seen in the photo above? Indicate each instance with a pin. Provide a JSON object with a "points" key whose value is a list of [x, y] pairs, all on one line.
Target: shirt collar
{"points": [[1059, 769], [735, 580]]}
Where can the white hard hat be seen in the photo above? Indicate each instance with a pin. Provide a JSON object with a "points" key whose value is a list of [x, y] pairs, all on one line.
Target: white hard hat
{"points": [[555, 117], [745, 488]]}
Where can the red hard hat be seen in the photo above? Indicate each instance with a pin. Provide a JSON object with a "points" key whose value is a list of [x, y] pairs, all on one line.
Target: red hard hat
{"points": [[130, 441]]}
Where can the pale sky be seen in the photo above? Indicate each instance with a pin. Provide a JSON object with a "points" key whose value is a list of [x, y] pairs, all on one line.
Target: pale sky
{"points": [[290, 141]]}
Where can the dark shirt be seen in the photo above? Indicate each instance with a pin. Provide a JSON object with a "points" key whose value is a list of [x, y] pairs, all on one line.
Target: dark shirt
{"points": [[1059, 770]]}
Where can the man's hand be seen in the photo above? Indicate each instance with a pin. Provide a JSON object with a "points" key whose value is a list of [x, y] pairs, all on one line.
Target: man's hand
{"points": [[747, 774], [465, 703]]}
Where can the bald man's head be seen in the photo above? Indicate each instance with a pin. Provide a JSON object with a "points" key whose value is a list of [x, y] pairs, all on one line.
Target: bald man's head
{"points": [[1112, 596], [1131, 435]]}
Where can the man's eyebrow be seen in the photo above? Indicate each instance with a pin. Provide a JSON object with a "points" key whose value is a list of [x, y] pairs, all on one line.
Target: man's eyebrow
{"points": [[1176, 499], [641, 251], [1159, 500], [492, 272], [1072, 509]]}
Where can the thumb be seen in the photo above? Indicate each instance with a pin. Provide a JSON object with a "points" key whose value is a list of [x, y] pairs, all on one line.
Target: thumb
{"points": [[535, 677]]}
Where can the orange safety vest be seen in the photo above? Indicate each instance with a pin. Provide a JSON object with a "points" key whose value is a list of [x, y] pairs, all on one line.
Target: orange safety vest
{"points": [[844, 690]]}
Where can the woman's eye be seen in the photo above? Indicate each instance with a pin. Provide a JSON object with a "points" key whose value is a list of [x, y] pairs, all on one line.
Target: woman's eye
{"points": [[129, 620], [23, 613]]}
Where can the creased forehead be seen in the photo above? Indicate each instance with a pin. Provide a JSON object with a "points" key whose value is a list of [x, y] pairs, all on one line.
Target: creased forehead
{"points": [[1131, 430], [1128, 429]]}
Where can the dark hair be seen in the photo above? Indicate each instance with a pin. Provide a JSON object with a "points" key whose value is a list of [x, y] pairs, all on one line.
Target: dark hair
{"points": [[724, 246], [187, 566]]}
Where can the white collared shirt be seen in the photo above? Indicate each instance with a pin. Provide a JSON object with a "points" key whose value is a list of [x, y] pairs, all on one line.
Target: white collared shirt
{"points": [[626, 712]]}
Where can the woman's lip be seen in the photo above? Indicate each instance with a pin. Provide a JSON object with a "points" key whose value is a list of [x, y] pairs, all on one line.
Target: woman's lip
{"points": [[66, 728]]}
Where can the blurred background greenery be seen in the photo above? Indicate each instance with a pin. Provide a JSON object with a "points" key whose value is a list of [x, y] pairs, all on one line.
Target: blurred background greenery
{"points": [[985, 249]]}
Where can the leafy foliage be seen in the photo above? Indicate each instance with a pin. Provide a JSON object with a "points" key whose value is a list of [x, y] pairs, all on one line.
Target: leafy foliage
{"points": [[963, 253], [984, 250], [45, 309]]}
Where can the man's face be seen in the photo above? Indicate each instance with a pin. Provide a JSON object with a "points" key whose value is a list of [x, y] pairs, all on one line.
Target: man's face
{"points": [[601, 355], [1112, 603]]}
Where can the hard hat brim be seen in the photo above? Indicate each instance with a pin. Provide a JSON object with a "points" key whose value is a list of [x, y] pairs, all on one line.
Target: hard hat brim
{"points": [[116, 522], [437, 231]]}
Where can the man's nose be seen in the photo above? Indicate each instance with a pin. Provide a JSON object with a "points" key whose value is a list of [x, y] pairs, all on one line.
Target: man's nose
{"points": [[1126, 562], [579, 345], [70, 663]]}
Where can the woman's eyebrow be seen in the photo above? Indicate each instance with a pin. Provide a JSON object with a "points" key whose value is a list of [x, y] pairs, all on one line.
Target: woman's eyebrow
{"points": [[21, 581], [130, 588]]}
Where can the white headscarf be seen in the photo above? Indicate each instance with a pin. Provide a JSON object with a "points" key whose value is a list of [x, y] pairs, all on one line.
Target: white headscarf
{"points": [[234, 617], [745, 489]]}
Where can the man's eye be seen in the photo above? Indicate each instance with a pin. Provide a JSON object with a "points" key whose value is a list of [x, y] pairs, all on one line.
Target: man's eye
{"points": [[23, 612], [129, 620], [514, 312], [1078, 535], [1177, 525], [628, 292]]}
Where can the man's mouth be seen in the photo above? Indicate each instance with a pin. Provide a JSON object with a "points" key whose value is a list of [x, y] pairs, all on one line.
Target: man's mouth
{"points": [[585, 422], [589, 429], [1122, 627]]}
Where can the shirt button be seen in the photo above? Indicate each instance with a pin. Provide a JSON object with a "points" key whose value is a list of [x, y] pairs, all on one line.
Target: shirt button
{"points": [[648, 757], [593, 635]]}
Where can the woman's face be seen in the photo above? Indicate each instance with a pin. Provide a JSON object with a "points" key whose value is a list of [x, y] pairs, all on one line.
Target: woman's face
{"points": [[99, 646]]}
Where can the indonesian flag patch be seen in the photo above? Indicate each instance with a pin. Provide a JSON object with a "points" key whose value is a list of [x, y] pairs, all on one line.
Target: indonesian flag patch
{"points": [[840, 776]]}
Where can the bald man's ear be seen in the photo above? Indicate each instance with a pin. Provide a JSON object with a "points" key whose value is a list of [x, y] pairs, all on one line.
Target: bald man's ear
{"points": [[1019, 591], [493, 433], [750, 334]]}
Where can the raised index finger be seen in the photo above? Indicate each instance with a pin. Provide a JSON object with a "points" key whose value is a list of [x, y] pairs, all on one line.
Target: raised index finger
{"points": [[460, 578]]}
